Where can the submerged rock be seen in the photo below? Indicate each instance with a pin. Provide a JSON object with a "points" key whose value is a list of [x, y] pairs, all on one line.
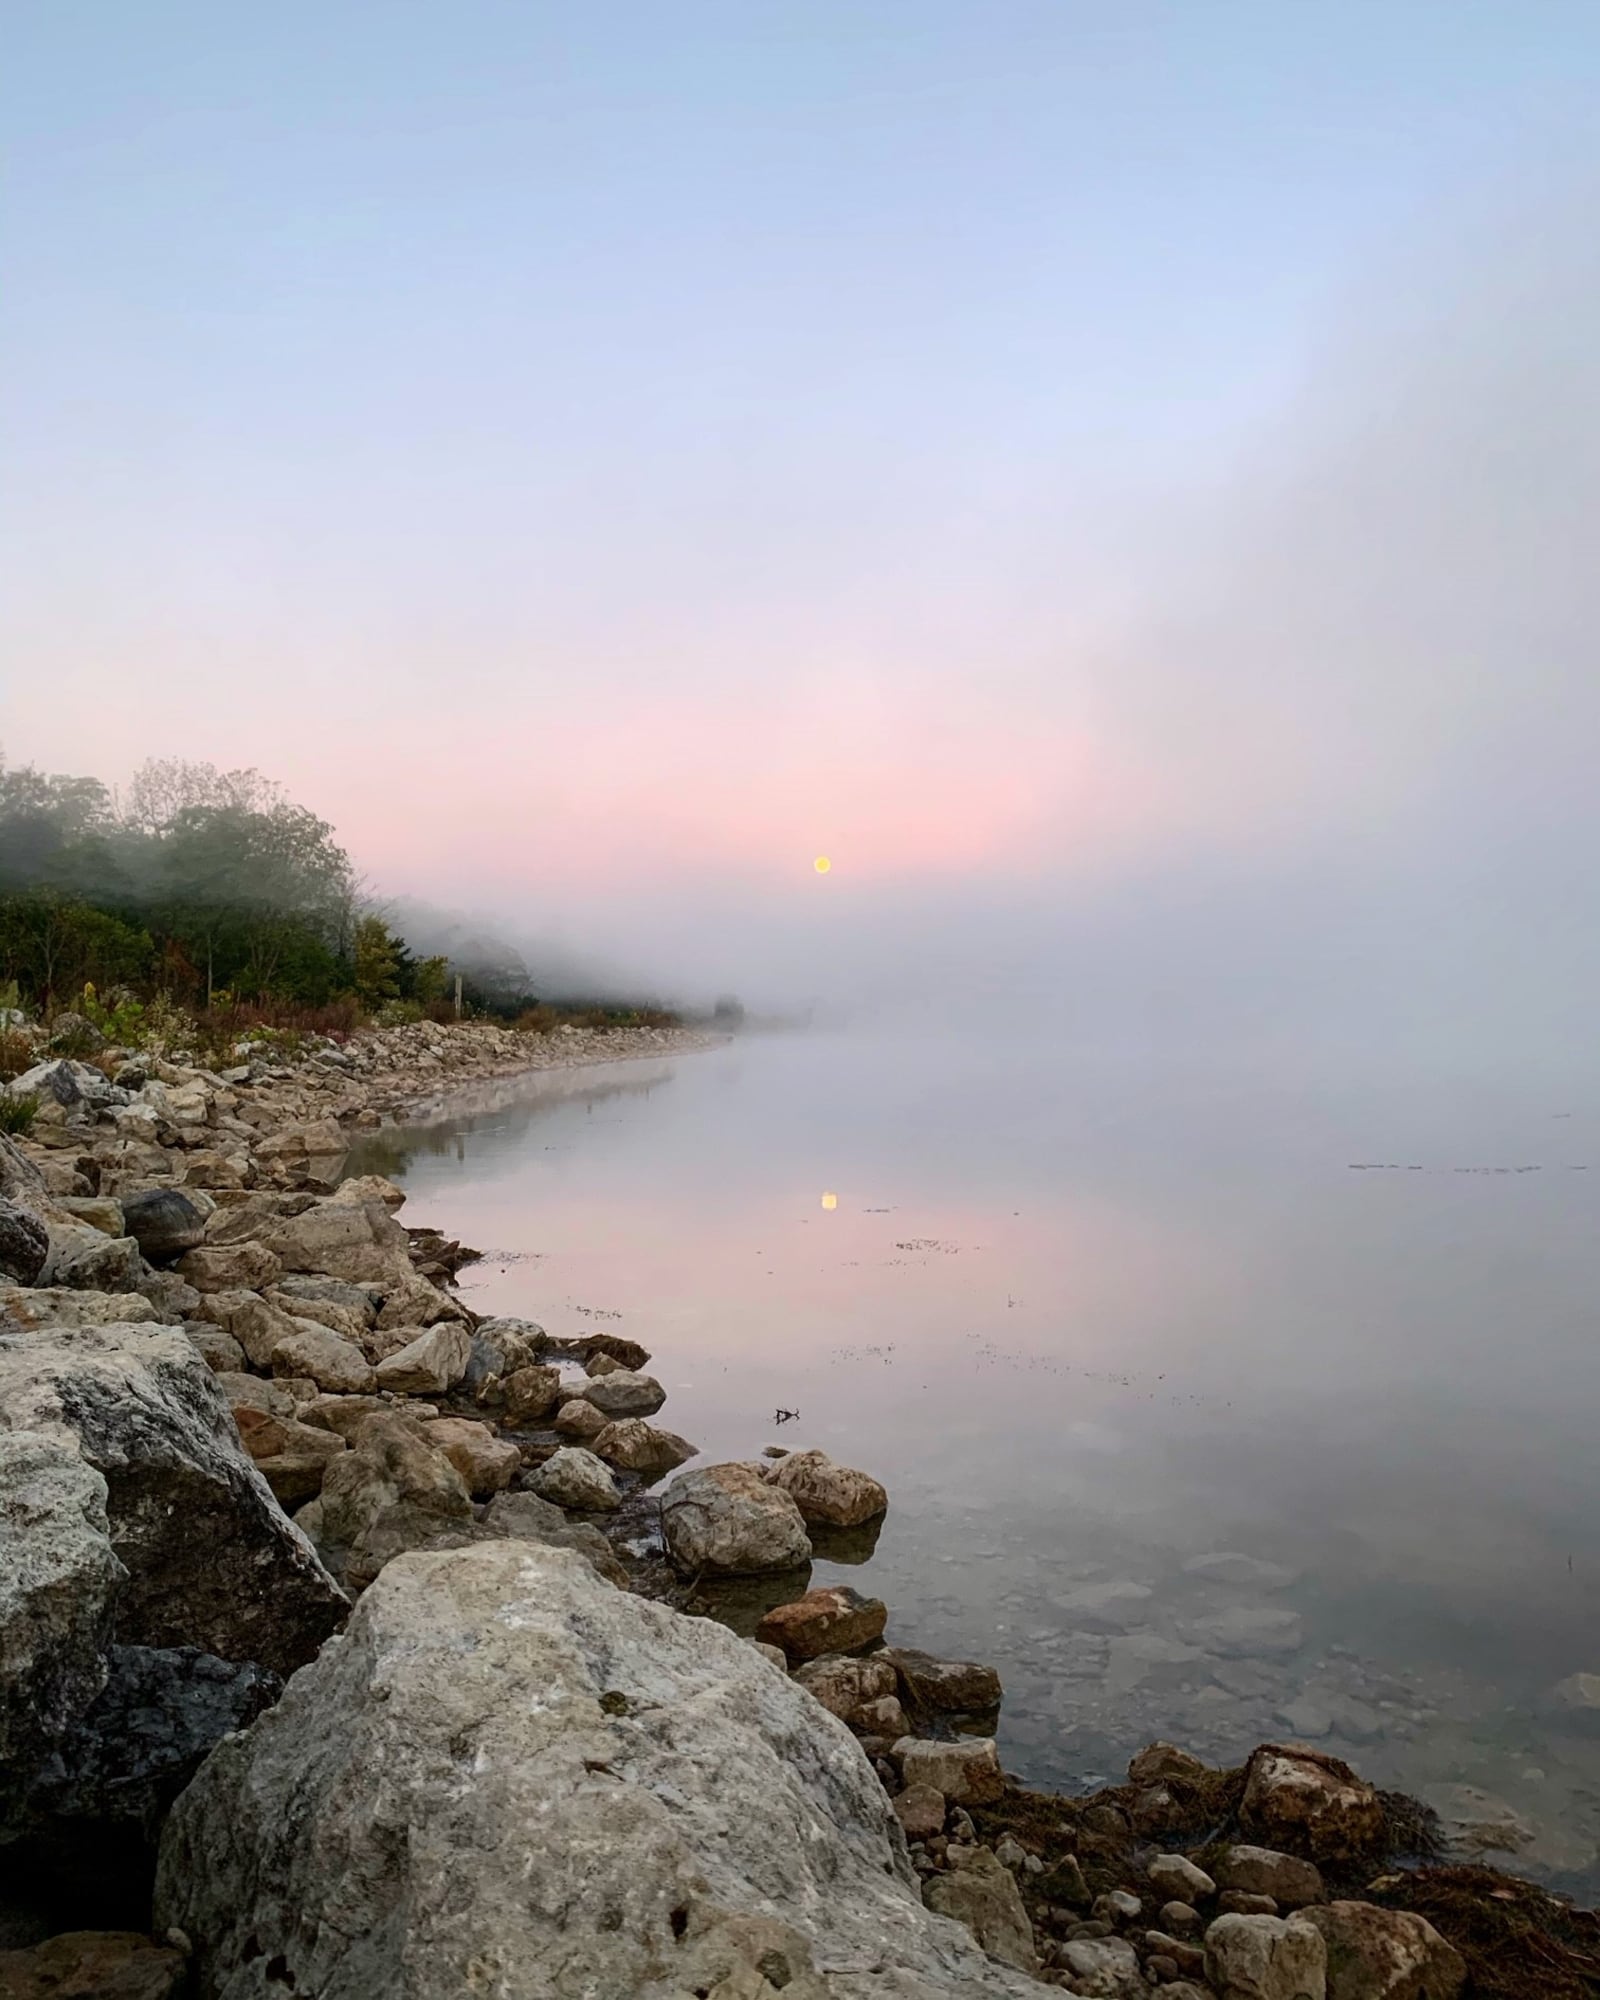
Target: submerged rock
{"points": [[507, 1778]]}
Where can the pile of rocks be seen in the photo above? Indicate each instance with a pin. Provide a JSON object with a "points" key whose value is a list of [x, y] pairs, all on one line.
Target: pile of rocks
{"points": [[327, 1648]]}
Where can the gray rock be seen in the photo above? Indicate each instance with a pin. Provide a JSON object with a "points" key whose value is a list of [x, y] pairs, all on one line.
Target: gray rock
{"points": [[495, 1355], [59, 1582], [508, 1778], [1175, 1875], [835, 1495], [161, 1712], [24, 1243], [342, 1239], [1263, 1871], [1103, 1969], [363, 1300], [219, 1349], [524, 1517], [983, 1895], [20, 1180], [212, 1560], [726, 1520], [1266, 1958], [164, 1222], [429, 1365], [624, 1394], [390, 1493], [967, 1771], [108, 1264], [318, 1354], [59, 1305], [639, 1447], [573, 1477]]}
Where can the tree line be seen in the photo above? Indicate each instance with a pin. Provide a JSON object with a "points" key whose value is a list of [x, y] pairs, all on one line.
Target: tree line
{"points": [[213, 887]]}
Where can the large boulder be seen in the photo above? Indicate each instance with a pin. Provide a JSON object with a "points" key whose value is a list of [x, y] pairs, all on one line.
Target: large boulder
{"points": [[212, 1560], [59, 1582], [24, 1242], [1376, 1954], [525, 1517], [361, 1301], [1266, 1958], [726, 1520], [165, 1223], [824, 1492], [1311, 1804], [508, 1778]]}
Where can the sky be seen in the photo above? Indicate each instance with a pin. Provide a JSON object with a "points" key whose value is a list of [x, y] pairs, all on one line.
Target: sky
{"points": [[1116, 477]]}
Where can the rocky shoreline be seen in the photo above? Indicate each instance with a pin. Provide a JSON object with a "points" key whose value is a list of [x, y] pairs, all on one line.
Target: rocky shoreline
{"points": [[343, 1647]]}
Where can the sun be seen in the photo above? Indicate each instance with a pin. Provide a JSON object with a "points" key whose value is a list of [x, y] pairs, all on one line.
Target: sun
{"points": [[822, 864]]}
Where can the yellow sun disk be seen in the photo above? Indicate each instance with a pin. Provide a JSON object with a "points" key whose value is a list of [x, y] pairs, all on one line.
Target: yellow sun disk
{"points": [[830, 1201], [822, 864]]}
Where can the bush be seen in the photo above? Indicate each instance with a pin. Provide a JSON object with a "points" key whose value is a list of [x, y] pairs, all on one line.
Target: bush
{"points": [[16, 1054], [540, 1020], [17, 1113]]}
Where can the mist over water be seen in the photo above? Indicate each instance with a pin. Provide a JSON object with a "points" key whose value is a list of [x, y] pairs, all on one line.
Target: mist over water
{"points": [[1216, 1401]]}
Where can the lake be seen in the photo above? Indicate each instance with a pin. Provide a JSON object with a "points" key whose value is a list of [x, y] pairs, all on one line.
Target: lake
{"points": [[1218, 1404]]}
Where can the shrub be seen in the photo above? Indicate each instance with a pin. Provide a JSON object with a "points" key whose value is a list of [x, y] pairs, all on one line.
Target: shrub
{"points": [[540, 1020], [16, 1054], [17, 1113]]}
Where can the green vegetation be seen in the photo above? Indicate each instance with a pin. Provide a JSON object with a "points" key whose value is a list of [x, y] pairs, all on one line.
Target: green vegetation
{"points": [[17, 1113], [208, 905]]}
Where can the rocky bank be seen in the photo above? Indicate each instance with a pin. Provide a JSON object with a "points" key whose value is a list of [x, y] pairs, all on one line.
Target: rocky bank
{"points": [[343, 1650]]}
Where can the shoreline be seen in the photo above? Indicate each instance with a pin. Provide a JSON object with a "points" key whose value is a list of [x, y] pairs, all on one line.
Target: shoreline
{"points": [[389, 1419]]}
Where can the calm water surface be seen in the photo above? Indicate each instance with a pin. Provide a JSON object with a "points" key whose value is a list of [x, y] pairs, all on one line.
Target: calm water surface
{"points": [[1212, 1406]]}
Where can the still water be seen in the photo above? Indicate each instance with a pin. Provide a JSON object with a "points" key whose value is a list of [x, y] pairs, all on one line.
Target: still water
{"points": [[1213, 1405]]}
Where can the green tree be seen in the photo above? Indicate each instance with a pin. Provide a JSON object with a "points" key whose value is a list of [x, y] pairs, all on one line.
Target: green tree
{"points": [[375, 956]]}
